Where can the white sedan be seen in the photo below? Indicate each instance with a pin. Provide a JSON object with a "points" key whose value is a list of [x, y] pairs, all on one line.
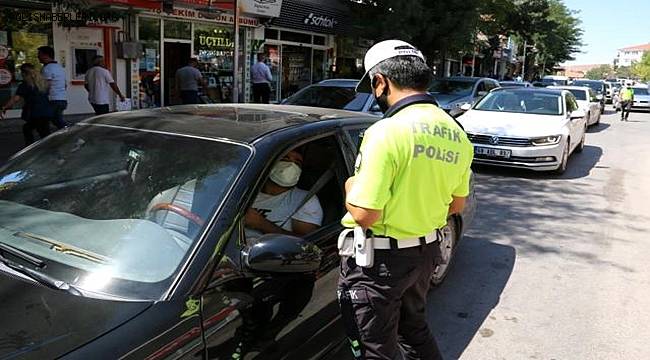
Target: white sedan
{"points": [[531, 128], [587, 102]]}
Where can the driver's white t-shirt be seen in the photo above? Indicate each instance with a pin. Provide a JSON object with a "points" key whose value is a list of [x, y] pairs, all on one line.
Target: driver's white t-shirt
{"points": [[276, 208]]}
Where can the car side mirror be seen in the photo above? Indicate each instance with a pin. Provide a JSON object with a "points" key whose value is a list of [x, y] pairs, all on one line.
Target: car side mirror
{"points": [[278, 253], [577, 114], [466, 106]]}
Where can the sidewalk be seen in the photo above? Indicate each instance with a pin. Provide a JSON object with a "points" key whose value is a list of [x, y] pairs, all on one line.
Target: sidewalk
{"points": [[11, 134]]}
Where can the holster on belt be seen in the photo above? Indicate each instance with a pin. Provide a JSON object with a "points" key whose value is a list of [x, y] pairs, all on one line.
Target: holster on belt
{"points": [[360, 246]]}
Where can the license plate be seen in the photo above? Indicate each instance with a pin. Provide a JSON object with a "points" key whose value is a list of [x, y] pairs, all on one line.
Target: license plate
{"points": [[503, 153]]}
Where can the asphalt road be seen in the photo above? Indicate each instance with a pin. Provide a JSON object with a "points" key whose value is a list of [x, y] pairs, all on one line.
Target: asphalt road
{"points": [[556, 267]]}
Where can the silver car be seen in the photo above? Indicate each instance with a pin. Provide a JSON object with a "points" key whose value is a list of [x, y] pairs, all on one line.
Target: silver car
{"points": [[641, 98]]}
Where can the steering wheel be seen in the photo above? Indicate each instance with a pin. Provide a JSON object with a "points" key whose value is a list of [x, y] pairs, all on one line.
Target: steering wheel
{"points": [[180, 211]]}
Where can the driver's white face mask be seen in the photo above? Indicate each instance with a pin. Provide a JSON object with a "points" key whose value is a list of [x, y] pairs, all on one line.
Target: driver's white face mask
{"points": [[285, 173]]}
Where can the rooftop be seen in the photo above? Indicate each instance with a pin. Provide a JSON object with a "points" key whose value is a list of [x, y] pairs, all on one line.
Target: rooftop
{"points": [[644, 47]]}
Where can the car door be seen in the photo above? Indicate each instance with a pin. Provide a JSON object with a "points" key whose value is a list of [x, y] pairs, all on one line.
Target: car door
{"points": [[272, 315], [594, 106], [577, 125]]}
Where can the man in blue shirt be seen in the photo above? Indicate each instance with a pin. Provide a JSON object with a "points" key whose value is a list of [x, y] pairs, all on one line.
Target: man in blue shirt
{"points": [[54, 73], [261, 77]]}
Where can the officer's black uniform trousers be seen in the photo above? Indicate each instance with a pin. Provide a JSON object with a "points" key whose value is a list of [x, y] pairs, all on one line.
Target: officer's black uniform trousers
{"points": [[384, 306]]}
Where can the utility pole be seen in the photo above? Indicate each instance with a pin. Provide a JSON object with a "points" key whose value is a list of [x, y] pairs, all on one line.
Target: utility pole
{"points": [[235, 64]]}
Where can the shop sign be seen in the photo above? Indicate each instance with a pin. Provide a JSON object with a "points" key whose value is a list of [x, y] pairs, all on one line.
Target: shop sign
{"points": [[268, 8], [192, 14], [320, 21], [5, 76], [215, 42]]}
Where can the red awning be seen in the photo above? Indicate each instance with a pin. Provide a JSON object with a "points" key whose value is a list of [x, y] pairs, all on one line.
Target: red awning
{"points": [[157, 4]]}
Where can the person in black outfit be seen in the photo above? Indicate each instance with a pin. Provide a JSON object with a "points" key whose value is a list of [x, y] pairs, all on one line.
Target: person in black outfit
{"points": [[37, 111]]}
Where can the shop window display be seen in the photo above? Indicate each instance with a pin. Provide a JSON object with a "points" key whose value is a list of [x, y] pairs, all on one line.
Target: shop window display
{"points": [[149, 62], [19, 42], [214, 47]]}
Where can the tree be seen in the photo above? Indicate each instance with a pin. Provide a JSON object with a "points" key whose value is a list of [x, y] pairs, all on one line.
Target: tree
{"points": [[600, 72], [642, 68], [624, 72]]}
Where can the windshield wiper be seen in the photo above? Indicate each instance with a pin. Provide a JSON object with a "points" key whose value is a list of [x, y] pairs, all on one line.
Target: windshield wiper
{"points": [[5, 248], [40, 277], [65, 248]]}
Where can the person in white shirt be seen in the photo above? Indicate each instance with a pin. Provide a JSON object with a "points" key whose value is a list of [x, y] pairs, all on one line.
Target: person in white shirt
{"points": [[274, 209], [54, 73], [188, 79], [98, 82], [261, 78]]}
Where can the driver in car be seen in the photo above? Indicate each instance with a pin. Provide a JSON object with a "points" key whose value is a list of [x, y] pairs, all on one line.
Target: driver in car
{"points": [[275, 210]]}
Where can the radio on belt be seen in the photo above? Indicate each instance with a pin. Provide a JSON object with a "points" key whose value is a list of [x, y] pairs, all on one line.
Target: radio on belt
{"points": [[361, 247]]}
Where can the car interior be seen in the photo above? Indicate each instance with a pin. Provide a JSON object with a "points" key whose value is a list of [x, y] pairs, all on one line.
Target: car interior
{"points": [[320, 157]]}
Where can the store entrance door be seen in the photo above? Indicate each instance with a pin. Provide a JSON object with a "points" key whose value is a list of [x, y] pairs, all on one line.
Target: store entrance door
{"points": [[176, 56], [296, 69]]}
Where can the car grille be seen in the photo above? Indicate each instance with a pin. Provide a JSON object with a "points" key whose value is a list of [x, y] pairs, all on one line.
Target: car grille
{"points": [[509, 141]]}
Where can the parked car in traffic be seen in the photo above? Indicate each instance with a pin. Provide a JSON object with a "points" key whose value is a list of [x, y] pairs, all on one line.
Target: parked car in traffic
{"points": [[530, 128], [597, 86], [123, 236], [515, 84], [641, 98], [453, 92], [555, 80], [587, 102], [335, 94]]}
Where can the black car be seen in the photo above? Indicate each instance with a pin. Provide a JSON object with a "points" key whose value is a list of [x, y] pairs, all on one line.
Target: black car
{"points": [[123, 237], [338, 94]]}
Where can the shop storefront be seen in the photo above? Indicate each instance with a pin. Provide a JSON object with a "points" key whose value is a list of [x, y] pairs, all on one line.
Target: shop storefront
{"points": [[169, 40], [19, 39], [301, 45]]}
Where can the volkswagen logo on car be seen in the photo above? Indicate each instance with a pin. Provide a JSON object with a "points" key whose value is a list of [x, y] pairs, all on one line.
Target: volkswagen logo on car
{"points": [[494, 140]]}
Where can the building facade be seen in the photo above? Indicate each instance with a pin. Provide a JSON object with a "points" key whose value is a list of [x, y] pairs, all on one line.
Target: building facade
{"points": [[630, 55]]}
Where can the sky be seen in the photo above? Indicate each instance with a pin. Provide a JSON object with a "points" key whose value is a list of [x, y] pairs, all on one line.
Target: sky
{"points": [[609, 26]]}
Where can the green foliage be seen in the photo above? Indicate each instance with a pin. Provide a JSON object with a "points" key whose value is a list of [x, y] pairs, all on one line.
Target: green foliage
{"points": [[642, 68], [624, 72], [600, 72]]}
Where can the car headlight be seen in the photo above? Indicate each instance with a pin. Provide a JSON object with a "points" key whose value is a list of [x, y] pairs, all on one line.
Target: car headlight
{"points": [[546, 140]]}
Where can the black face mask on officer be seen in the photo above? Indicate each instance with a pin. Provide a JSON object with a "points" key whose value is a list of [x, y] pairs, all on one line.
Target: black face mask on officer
{"points": [[382, 99]]}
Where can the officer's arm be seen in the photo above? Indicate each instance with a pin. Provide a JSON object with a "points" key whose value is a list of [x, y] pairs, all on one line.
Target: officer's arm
{"points": [[457, 205], [362, 216]]}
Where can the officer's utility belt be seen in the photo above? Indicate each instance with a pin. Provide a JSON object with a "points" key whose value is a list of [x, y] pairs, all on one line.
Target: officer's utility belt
{"points": [[361, 246]]}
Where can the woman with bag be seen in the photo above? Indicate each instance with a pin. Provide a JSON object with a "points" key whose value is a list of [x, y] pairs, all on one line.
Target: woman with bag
{"points": [[37, 111]]}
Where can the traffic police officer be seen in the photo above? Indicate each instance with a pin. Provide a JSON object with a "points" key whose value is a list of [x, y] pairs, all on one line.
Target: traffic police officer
{"points": [[412, 172]]}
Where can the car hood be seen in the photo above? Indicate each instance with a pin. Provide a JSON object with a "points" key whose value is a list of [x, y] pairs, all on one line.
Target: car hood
{"points": [[512, 124], [444, 99], [41, 323]]}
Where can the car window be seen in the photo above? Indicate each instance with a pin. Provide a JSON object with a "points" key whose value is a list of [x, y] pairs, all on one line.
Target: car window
{"points": [[333, 97], [579, 94], [480, 87], [281, 201], [571, 103], [130, 204], [452, 87], [489, 85]]}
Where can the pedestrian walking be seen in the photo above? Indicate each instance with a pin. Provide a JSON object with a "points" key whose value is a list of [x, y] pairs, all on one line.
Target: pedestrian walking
{"points": [[98, 83], [261, 77], [37, 111], [412, 172], [54, 73], [627, 99], [188, 80]]}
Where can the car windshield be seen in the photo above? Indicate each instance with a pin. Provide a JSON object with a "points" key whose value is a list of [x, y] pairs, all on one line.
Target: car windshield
{"points": [[595, 86], [452, 87], [640, 91], [115, 211], [579, 94], [333, 97], [522, 101]]}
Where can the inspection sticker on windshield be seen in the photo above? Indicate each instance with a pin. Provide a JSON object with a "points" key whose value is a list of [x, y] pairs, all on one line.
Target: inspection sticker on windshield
{"points": [[502, 153]]}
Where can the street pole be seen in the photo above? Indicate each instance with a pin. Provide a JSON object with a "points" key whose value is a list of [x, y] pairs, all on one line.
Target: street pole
{"points": [[523, 65], [235, 64]]}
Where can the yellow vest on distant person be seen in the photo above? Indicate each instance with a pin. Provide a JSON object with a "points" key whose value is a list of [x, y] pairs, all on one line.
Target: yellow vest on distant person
{"points": [[627, 94]]}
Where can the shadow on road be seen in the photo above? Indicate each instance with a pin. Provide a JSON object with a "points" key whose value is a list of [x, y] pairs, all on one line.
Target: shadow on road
{"points": [[598, 128], [459, 307], [579, 166]]}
